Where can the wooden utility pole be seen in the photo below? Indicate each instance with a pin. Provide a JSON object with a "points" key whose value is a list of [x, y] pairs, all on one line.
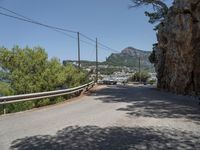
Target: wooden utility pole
{"points": [[139, 70], [78, 37], [96, 60]]}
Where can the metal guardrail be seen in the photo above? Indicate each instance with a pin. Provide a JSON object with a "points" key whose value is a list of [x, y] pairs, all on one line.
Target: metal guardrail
{"points": [[35, 96]]}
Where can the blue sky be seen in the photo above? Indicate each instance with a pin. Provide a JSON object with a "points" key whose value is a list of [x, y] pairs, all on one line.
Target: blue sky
{"points": [[110, 20]]}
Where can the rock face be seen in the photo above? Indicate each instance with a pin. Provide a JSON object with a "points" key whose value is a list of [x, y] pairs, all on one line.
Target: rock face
{"points": [[177, 55], [130, 51], [129, 57]]}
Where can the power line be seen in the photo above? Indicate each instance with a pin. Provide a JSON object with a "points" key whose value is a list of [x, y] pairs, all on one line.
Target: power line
{"points": [[37, 22], [106, 47], [26, 19], [87, 43], [90, 39], [100, 44], [15, 13], [54, 28], [57, 29], [64, 33]]}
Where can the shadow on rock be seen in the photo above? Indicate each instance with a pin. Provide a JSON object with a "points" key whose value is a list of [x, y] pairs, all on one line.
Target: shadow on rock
{"points": [[110, 138]]}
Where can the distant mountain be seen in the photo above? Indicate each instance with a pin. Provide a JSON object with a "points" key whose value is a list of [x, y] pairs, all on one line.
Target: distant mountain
{"points": [[129, 57]]}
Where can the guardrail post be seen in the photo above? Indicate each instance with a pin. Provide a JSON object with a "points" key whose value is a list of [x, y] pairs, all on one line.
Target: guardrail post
{"points": [[86, 89], [4, 107]]}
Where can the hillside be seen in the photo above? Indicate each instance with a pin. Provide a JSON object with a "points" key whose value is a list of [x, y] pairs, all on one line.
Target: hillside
{"points": [[129, 57]]}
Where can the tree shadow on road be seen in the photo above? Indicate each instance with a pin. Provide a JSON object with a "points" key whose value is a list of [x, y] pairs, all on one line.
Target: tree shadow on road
{"points": [[150, 102], [109, 138]]}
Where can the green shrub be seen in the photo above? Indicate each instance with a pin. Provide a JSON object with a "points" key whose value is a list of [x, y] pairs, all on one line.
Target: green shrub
{"points": [[152, 81], [20, 106], [28, 70], [139, 76], [59, 99]]}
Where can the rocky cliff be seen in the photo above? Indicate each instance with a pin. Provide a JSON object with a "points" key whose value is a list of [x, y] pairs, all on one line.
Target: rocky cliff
{"points": [[129, 57], [177, 55]]}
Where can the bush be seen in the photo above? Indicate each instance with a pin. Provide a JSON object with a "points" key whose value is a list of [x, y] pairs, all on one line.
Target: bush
{"points": [[152, 81], [5, 89], [27, 70], [59, 99], [139, 76], [20, 106]]}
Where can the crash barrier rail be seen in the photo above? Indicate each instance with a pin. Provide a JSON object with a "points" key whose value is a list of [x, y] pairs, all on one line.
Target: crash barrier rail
{"points": [[42, 95]]}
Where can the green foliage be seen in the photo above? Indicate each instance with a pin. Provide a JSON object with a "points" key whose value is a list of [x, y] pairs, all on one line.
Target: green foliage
{"points": [[21, 106], [42, 102], [54, 76], [11, 108], [152, 81], [152, 57], [143, 76], [75, 76], [27, 70], [121, 60], [159, 7], [59, 99], [5, 89], [109, 71]]}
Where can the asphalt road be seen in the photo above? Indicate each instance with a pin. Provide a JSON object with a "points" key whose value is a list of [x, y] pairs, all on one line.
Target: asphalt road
{"points": [[113, 117]]}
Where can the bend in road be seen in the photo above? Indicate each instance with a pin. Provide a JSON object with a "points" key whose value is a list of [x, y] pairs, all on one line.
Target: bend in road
{"points": [[115, 117]]}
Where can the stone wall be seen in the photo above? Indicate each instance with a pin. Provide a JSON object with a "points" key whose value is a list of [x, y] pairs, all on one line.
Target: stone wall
{"points": [[178, 53]]}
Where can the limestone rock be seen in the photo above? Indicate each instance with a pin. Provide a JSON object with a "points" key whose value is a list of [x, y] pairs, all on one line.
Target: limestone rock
{"points": [[178, 52]]}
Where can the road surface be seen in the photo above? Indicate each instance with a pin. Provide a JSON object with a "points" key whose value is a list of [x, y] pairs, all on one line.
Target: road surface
{"points": [[113, 117]]}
